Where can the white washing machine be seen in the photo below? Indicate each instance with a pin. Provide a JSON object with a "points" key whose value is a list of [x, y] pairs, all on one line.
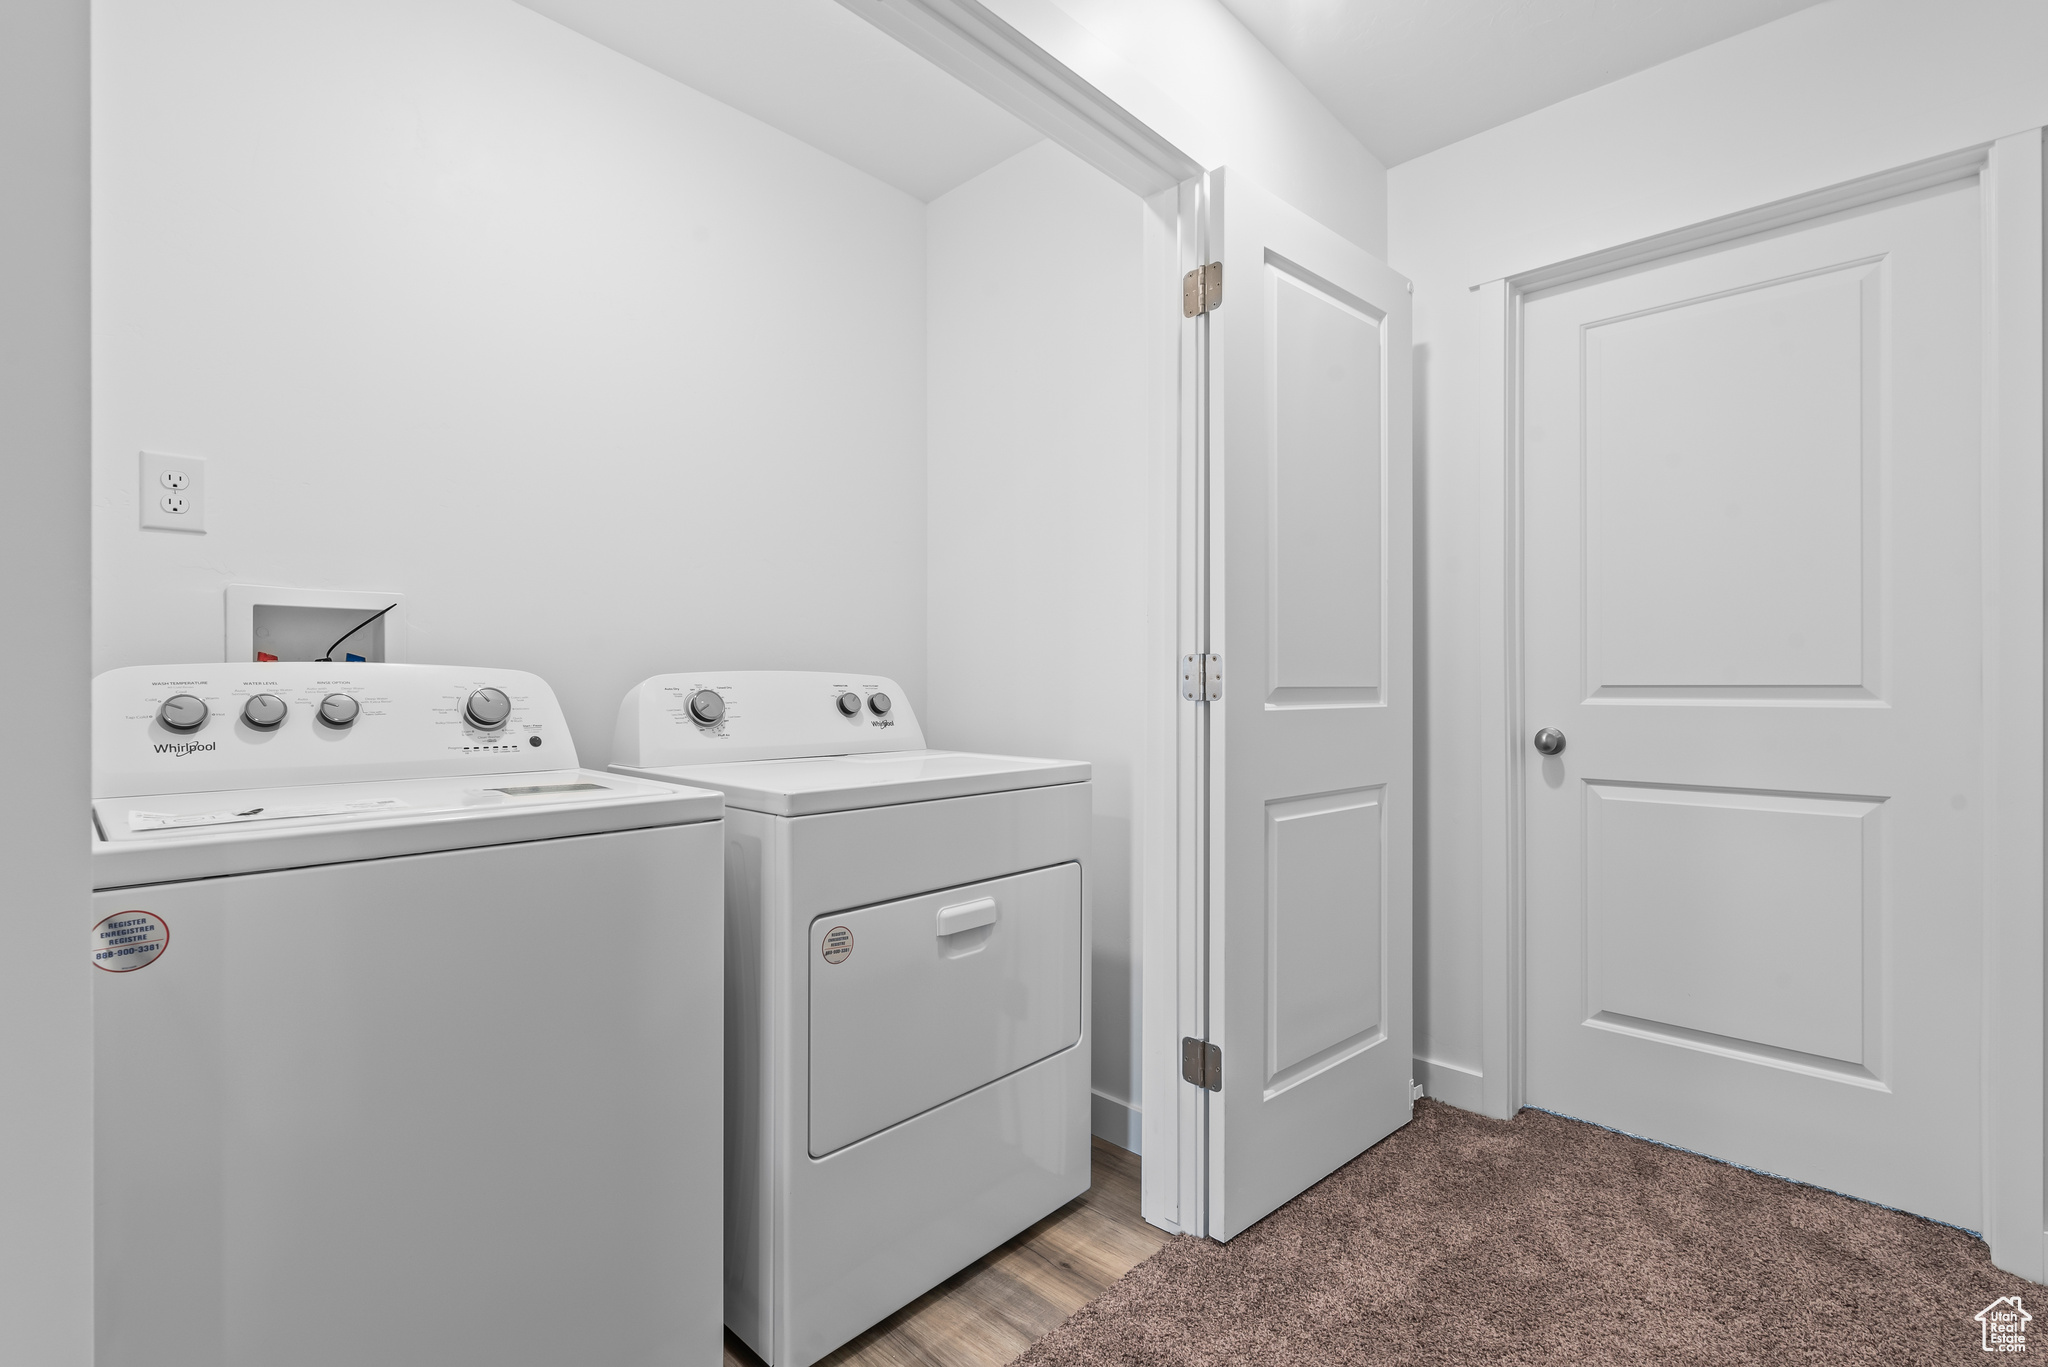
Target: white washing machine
{"points": [[407, 1029], [907, 1032]]}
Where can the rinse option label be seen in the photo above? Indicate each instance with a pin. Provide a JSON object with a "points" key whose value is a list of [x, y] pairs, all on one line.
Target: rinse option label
{"points": [[129, 940], [837, 946]]}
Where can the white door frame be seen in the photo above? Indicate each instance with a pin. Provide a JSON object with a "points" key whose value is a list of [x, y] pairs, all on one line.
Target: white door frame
{"points": [[2009, 172], [973, 43], [46, 1022]]}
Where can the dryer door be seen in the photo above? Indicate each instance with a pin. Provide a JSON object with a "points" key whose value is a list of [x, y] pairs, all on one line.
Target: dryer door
{"points": [[916, 1002]]}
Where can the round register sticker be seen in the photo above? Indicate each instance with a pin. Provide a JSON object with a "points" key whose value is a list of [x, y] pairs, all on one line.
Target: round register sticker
{"points": [[127, 940], [838, 945]]}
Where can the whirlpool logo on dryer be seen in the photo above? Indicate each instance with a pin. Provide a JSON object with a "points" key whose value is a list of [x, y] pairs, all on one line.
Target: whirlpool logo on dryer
{"points": [[184, 748]]}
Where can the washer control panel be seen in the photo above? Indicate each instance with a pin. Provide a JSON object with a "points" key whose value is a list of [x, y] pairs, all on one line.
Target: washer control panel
{"points": [[206, 727], [709, 718]]}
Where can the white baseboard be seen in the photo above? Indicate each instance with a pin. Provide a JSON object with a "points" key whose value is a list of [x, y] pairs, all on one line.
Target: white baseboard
{"points": [[1115, 1121], [1448, 1083]]}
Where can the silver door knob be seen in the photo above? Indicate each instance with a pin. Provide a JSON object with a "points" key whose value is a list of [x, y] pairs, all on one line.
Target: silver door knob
{"points": [[1550, 741]]}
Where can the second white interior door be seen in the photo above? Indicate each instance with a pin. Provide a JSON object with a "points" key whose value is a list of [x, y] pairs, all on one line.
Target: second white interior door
{"points": [[1310, 960], [1753, 597]]}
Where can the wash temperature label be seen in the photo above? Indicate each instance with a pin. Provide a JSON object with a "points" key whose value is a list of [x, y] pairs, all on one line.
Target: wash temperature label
{"points": [[128, 940]]}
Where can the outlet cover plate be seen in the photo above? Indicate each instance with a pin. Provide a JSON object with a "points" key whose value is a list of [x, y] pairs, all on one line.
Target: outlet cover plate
{"points": [[173, 492]]}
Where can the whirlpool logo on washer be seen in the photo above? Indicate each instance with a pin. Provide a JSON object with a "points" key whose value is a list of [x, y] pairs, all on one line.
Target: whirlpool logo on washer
{"points": [[180, 749]]}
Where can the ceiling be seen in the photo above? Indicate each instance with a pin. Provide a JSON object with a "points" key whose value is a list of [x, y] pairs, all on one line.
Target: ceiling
{"points": [[1410, 76], [1405, 76], [818, 72]]}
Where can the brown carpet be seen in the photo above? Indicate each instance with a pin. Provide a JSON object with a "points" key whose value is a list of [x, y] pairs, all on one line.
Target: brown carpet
{"points": [[1544, 1241]]}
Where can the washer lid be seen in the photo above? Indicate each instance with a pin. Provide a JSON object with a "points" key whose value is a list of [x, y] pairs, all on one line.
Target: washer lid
{"points": [[169, 837], [841, 783]]}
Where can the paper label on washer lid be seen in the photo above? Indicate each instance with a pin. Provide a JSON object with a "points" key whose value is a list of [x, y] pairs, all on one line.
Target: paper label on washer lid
{"points": [[129, 940], [169, 821], [838, 945]]}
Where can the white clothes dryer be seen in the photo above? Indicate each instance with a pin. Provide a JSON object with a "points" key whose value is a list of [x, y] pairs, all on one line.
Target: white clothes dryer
{"points": [[907, 1029], [407, 1041]]}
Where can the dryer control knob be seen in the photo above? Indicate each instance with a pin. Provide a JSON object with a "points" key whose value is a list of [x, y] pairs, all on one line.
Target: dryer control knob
{"points": [[263, 711], [879, 704], [706, 707], [487, 708], [849, 704], [182, 713], [339, 709]]}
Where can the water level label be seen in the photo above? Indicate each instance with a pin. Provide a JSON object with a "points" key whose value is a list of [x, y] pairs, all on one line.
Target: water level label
{"points": [[838, 945], [127, 940]]}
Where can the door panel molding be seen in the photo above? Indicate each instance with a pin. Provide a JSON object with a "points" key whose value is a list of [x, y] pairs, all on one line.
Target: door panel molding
{"points": [[1324, 648], [1293, 974], [2010, 176], [1801, 873], [1795, 599]]}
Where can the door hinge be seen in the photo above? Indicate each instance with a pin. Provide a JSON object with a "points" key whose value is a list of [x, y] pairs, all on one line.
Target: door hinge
{"points": [[1202, 1063], [1201, 290], [1201, 677]]}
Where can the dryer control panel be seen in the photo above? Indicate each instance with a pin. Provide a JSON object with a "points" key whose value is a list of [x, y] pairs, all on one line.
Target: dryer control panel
{"points": [[713, 718], [207, 727]]}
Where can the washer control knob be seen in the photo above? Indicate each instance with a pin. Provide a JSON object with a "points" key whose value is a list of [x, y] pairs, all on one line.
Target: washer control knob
{"points": [[706, 707], [849, 704], [879, 704], [263, 711], [339, 709], [182, 713], [487, 708]]}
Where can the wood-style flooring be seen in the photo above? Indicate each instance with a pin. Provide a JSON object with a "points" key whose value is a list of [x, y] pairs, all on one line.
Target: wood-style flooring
{"points": [[986, 1315]]}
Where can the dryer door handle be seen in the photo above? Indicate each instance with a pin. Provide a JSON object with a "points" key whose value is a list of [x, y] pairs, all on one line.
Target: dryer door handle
{"points": [[967, 916]]}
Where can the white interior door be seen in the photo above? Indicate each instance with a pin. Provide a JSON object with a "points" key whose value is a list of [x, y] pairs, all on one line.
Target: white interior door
{"points": [[1310, 743], [1753, 605]]}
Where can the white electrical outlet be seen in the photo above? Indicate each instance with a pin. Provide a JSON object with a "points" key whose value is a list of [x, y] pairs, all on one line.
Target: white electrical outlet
{"points": [[174, 492]]}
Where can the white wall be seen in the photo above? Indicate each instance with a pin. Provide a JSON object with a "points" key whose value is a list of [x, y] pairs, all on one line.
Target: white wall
{"points": [[45, 911], [1826, 95], [1196, 75], [606, 377], [1040, 505]]}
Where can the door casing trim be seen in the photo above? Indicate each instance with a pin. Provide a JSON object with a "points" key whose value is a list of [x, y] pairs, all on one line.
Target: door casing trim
{"points": [[1061, 95], [2010, 176]]}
